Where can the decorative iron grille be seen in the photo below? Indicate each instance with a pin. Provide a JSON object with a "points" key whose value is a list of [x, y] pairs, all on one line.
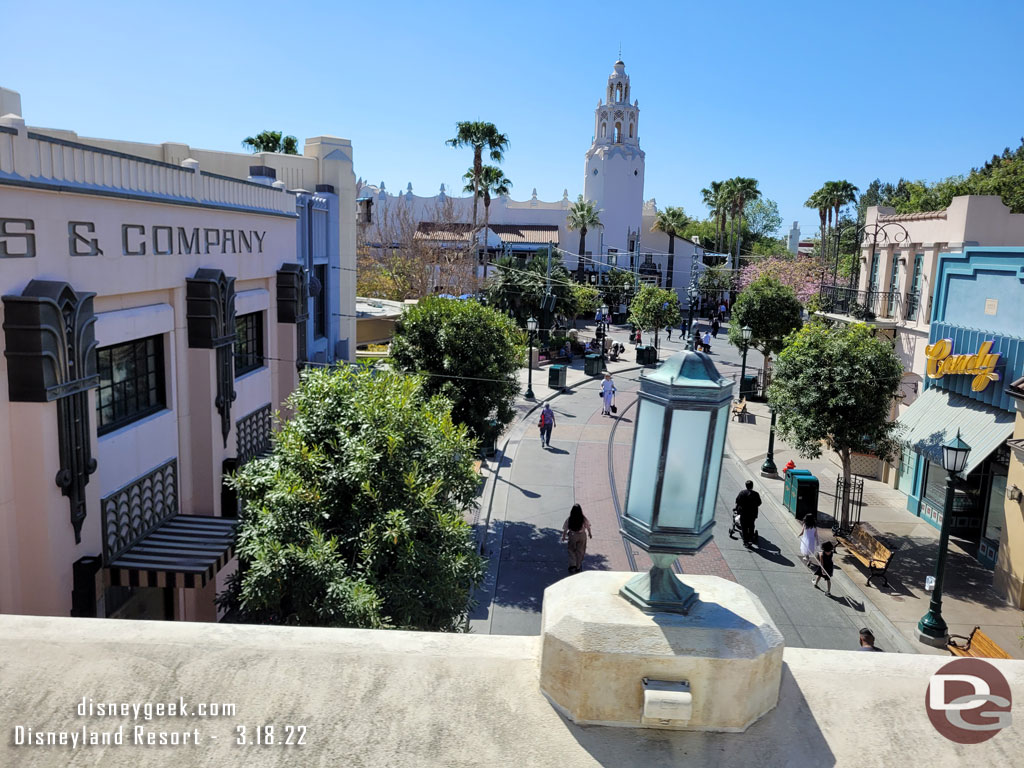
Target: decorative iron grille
{"points": [[253, 434], [134, 510]]}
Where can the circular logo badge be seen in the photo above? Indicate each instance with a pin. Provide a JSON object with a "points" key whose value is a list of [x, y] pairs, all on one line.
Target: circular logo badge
{"points": [[968, 701]]}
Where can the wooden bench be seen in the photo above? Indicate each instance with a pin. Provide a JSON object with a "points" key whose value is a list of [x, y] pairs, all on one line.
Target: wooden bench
{"points": [[739, 409], [977, 644], [869, 550]]}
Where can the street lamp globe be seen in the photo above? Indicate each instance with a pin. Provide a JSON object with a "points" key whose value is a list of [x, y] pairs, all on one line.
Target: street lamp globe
{"points": [[674, 471], [531, 325], [954, 454], [604, 310], [747, 332]]}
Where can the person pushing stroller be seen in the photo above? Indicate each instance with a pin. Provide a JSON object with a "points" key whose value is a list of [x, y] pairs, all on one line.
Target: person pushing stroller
{"points": [[747, 502]]}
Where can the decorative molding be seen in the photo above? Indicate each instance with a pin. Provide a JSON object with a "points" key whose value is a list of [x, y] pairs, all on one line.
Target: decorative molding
{"points": [[134, 510], [51, 345], [210, 312], [252, 435], [293, 304]]}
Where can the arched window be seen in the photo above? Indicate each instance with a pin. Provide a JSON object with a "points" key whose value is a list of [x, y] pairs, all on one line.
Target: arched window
{"points": [[618, 92], [604, 130], [631, 130], [617, 138]]}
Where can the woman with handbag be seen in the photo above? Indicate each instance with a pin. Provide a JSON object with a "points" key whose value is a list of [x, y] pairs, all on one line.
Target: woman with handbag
{"points": [[607, 395]]}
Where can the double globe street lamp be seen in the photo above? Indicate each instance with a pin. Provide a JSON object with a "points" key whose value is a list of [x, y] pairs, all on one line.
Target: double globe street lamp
{"points": [[531, 329], [602, 330], [746, 332], [932, 628]]}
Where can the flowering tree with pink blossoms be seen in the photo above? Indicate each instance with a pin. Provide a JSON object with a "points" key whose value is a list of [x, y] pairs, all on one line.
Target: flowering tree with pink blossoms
{"points": [[802, 275]]}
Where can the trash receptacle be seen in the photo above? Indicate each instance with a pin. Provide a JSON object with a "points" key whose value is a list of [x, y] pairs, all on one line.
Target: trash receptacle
{"points": [[789, 488], [748, 387], [800, 493], [646, 354], [556, 377], [489, 441], [592, 365]]}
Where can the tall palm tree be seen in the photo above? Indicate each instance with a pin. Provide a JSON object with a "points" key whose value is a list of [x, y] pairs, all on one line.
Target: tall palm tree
{"points": [[819, 201], [479, 136], [714, 200], [583, 215], [271, 141], [672, 221], [843, 193], [491, 182], [744, 191]]}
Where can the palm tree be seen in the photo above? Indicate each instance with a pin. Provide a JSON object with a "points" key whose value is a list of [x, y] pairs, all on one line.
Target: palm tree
{"points": [[491, 182], [744, 190], [843, 193], [271, 141], [479, 136], [714, 200], [583, 215], [672, 221], [819, 200]]}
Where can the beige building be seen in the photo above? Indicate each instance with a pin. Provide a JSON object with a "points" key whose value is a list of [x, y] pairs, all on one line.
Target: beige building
{"points": [[157, 307], [1009, 574]]}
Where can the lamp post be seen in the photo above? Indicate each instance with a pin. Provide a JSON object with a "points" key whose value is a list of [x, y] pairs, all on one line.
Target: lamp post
{"points": [[673, 476], [932, 628], [768, 468], [692, 293], [531, 329], [602, 331], [746, 332]]}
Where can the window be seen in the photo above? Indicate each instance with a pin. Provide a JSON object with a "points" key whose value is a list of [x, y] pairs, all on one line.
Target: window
{"points": [[617, 134], [320, 308], [874, 272], [248, 343], [131, 382]]}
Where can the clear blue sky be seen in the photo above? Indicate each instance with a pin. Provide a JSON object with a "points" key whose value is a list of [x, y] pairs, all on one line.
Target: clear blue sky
{"points": [[791, 93]]}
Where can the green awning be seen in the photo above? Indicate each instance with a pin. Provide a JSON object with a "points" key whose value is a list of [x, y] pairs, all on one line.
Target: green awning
{"points": [[936, 416]]}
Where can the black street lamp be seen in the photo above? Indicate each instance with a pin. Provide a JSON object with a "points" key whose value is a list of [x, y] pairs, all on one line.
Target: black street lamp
{"points": [[531, 329], [692, 294], [602, 331], [932, 628], [746, 332], [768, 469]]}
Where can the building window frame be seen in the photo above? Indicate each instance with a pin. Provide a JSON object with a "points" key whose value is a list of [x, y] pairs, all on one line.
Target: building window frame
{"points": [[249, 345], [321, 305], [133, 397]]}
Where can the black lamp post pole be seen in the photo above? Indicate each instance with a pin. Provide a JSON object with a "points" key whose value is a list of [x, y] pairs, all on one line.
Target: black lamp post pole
{"points": [[932, 627], [529, 370], [769, 468]]}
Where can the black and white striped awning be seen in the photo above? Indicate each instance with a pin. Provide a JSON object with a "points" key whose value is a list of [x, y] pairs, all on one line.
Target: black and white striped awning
{"points": [[182, 551]]}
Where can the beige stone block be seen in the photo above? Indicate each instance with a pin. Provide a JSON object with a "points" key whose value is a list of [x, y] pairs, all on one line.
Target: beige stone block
{"points": [[597, 648]]}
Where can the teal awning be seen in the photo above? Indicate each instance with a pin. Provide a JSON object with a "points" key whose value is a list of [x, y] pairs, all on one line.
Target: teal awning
{"points": [[936, 416]]}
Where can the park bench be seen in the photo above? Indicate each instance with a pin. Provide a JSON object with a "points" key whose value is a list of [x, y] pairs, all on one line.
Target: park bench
{"points": [[977, 644], [869, 550], [739, 409]]}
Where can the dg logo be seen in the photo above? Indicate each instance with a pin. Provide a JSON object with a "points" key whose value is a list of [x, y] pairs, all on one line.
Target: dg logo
{"points": [[968, 701]]}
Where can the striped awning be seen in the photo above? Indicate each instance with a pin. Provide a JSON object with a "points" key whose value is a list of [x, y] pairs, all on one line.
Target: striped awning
{"points": [[183, 551]]}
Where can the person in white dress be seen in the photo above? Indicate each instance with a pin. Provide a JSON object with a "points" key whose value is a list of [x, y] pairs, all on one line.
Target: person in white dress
{"points": [[808, 538], [607, 395]]}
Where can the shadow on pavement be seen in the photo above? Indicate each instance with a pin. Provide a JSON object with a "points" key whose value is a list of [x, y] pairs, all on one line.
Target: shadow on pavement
{"points": [[555, 450], [771, 552], [848, 602]]}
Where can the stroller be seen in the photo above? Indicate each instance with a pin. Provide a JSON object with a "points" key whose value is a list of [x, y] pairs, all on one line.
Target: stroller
{"points": [[737, 527]]}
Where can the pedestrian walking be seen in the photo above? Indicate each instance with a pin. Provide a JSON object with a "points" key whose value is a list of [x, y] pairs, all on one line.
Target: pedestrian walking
{"points": [[715, 325], [577, 529], [867, 641], [824, 568], [707, 341], [547, 423], [669, 329], [607, 395], [808, 538], [747, 502], [721, 311]]}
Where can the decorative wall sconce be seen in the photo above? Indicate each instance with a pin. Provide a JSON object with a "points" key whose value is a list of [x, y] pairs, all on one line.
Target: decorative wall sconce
{"points": [[1013, 493]]}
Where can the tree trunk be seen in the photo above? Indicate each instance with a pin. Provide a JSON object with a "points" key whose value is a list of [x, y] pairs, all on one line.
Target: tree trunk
{"points": [[477, 167], [739, 238], [583, 248], [671, 261], [732, 240], [487, 223], [844, 455]]}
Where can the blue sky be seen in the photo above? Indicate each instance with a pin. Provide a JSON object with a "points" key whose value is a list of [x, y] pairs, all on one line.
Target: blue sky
{"points": [[791, 93]]}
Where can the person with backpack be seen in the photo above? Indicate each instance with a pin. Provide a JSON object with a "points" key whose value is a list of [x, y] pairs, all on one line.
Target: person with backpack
{"points": [[547, 423]]}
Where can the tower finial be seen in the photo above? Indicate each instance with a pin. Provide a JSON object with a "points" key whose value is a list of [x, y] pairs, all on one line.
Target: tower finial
{"points": [[620, 50]]}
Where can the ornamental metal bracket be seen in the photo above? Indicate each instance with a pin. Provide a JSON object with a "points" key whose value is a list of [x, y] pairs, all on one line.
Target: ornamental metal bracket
{"points": [[293, 304], [210, 312], [51, 345]]}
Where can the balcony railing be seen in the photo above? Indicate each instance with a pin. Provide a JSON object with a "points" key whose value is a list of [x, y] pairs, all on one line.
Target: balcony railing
{"points": [[861, 305]]}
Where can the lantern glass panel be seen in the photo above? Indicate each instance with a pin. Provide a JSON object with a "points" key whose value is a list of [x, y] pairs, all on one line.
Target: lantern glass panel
{"points": [[643, 479], [684, 467], [715, 468]]}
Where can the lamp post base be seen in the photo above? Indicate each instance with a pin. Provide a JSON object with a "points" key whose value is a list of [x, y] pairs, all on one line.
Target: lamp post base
{"points": [[768, 469], [659, 590], [932, 630]]}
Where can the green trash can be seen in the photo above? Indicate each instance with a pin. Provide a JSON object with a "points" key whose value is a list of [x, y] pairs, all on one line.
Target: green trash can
{"points": [[646, 354], [800, 493], [592, 365], [556, 377], [789, 488], [748, 387], [489, 442]]}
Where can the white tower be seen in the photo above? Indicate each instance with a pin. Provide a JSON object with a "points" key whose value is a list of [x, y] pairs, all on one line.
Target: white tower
{"points": [[615, 167]]}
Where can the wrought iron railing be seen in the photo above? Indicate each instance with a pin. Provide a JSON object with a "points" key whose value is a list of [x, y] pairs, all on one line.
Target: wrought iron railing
{"points": [[862, 305], [134, 510], [253, 434]]}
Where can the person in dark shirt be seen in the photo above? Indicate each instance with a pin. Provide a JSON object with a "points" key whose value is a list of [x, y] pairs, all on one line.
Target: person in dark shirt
{"points": [[747, 502], [867, 641]]}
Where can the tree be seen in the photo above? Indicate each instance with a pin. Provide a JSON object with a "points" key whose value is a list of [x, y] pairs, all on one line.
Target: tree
{"points": [[763, 218], [618, 286], [714, 281], [357, 517], [271, 141], [654, 308], [819, 201], [491, 182], [803, 275], [583, 215], [742, 190], [583, 300], [714, 198], [469, 353], [519, 289], [672, 221], [479, 136], [772, 311], [834, 387]]}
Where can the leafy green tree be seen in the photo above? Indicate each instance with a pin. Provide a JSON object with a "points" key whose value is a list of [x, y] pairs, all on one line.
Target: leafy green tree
{"points": [[520, 288], [469, 353], [356, 518], [714, 281], [582, 300], [763, 218], [834, 387], [771, 309], [672, 221], [583, 216], [479, 136], [618, 287], [271, 141], [654, 308], [741, 190], [714, 196]]}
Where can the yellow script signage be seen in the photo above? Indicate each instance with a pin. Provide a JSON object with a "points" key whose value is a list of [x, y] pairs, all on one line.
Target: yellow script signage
{"points": [[941, 361]]}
